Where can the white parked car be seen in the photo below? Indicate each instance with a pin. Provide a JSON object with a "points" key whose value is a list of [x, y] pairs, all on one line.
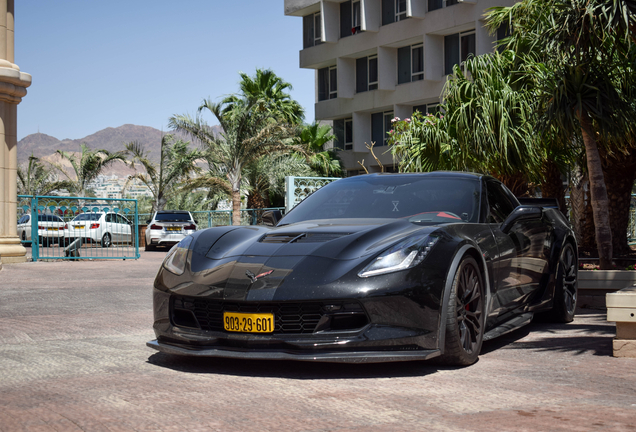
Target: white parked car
{"points": [[50, 228], [102, 228], [168, 227]]}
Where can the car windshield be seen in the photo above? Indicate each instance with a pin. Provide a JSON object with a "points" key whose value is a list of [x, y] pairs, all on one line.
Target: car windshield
{"points": [[420, 199], [49, 218], [173, 217], [88, 217]]}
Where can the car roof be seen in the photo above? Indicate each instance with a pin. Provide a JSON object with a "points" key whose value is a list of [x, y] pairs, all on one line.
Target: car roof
{"points": [[173, 211]]}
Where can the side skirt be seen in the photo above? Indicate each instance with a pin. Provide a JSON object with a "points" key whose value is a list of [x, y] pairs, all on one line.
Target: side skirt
{"points": [[514, 324]]}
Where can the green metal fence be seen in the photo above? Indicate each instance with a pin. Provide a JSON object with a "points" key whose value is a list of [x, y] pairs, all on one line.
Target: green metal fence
{"points": [[78, 227], [299, 188], [212, 218]]}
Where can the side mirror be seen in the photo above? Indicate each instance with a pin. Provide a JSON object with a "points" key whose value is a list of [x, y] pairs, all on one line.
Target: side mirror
{"points": [[522, 212], [271, 217]]}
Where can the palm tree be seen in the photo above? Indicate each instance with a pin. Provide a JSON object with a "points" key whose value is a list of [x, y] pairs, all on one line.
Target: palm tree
{"points": [[268, 92], [86, 166], [486, 126], [582, 79], [176, 163], [248, 134], [325, 163], [265, 177], [36, 179]]}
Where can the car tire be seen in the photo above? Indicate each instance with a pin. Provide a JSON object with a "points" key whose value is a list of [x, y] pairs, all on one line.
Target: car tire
{"points": [[465, 315], [23, 236], [106, 240], [565, 289]]}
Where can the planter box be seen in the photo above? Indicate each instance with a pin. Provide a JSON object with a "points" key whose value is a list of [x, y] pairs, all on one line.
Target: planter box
{"points": [[595, 284], [621, 309]]}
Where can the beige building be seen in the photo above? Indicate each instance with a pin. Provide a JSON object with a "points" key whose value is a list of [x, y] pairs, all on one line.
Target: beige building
{"points": [[13, 85], [380, 59]]}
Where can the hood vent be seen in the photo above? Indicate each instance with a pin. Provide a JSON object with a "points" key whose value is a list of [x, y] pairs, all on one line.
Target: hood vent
{"points": [[302, 237]]}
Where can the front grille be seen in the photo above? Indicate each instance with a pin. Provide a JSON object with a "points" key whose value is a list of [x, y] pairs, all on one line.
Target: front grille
{"points": [[289, 318]]}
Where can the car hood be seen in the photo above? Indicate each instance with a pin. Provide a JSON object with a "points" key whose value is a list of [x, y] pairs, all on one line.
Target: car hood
{"points": [[341, 240], [299, 261]]}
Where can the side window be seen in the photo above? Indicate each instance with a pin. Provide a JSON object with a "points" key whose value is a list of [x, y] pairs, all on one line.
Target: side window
{"points": [[499, 203], [122, 220], [109, 217]]}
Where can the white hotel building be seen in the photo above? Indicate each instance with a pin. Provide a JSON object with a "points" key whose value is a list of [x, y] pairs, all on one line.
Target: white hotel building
{"points": [[378, 59]]}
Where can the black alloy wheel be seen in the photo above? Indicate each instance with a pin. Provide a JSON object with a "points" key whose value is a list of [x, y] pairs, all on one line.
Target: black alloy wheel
{"points": [[465, 315], [106, 240], [566, 287]]}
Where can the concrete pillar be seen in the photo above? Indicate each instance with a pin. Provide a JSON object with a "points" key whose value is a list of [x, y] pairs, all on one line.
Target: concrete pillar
{"points": [[13, 85]]}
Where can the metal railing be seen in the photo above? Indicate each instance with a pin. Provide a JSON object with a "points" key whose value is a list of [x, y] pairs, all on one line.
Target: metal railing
{"points": [[212, 218], [299, 188], [78, 227]]}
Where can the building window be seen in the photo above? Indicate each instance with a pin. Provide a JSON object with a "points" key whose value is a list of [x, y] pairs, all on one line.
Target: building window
{"points": [[327, 83], [367, 73], [438, 4], [410, 63], [503, 31], [343, 130], [457, 48], [350, 18], [427, 109], [393, 10], [312, 30], [380, 127]]}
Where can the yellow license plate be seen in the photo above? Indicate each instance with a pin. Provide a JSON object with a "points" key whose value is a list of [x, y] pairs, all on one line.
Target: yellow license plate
{"points": [[173, 229], [51, 229], [79, 227], [248, 322]]}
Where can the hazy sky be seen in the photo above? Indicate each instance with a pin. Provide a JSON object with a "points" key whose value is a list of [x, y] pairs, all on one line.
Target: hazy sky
{"points": [[106, 63]]}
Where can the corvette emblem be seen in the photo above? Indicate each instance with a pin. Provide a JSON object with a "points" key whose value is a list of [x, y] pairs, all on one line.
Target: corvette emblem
{"points": [[254, 278]]}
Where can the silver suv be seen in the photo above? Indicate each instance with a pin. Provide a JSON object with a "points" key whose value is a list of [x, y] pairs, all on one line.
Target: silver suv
{"points": [[168, 227]]}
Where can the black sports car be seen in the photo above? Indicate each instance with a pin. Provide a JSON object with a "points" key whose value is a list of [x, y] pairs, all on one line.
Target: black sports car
{"points": [[372, 268]]}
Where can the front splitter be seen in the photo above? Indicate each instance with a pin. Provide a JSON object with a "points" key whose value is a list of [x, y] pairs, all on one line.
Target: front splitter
{"points": [[327, 357]]}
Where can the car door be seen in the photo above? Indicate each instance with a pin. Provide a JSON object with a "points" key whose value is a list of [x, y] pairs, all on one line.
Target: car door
{"points": [[124, 229], [111, 227], [523, 255], [21, 226]]}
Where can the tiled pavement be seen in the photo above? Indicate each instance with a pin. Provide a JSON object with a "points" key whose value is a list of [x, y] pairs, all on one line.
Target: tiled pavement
{"points": [[73, 358]]}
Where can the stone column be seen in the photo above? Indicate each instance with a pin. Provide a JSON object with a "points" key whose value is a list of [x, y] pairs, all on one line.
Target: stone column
{"points": [[13, 84]]}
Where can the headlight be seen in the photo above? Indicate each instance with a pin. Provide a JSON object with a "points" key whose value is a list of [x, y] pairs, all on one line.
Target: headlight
{"points": [[176, 259], [404, 255]]}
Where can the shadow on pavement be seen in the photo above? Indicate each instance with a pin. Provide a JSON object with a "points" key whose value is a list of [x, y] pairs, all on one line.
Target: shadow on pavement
{"points": [[592, 334]]}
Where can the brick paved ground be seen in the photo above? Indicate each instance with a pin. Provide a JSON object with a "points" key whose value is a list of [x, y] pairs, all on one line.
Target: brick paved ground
{"points": [[73, 358]]}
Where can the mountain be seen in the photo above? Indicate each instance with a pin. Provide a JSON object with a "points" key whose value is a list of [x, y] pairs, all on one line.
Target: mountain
{"points": [[112, 139]]}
